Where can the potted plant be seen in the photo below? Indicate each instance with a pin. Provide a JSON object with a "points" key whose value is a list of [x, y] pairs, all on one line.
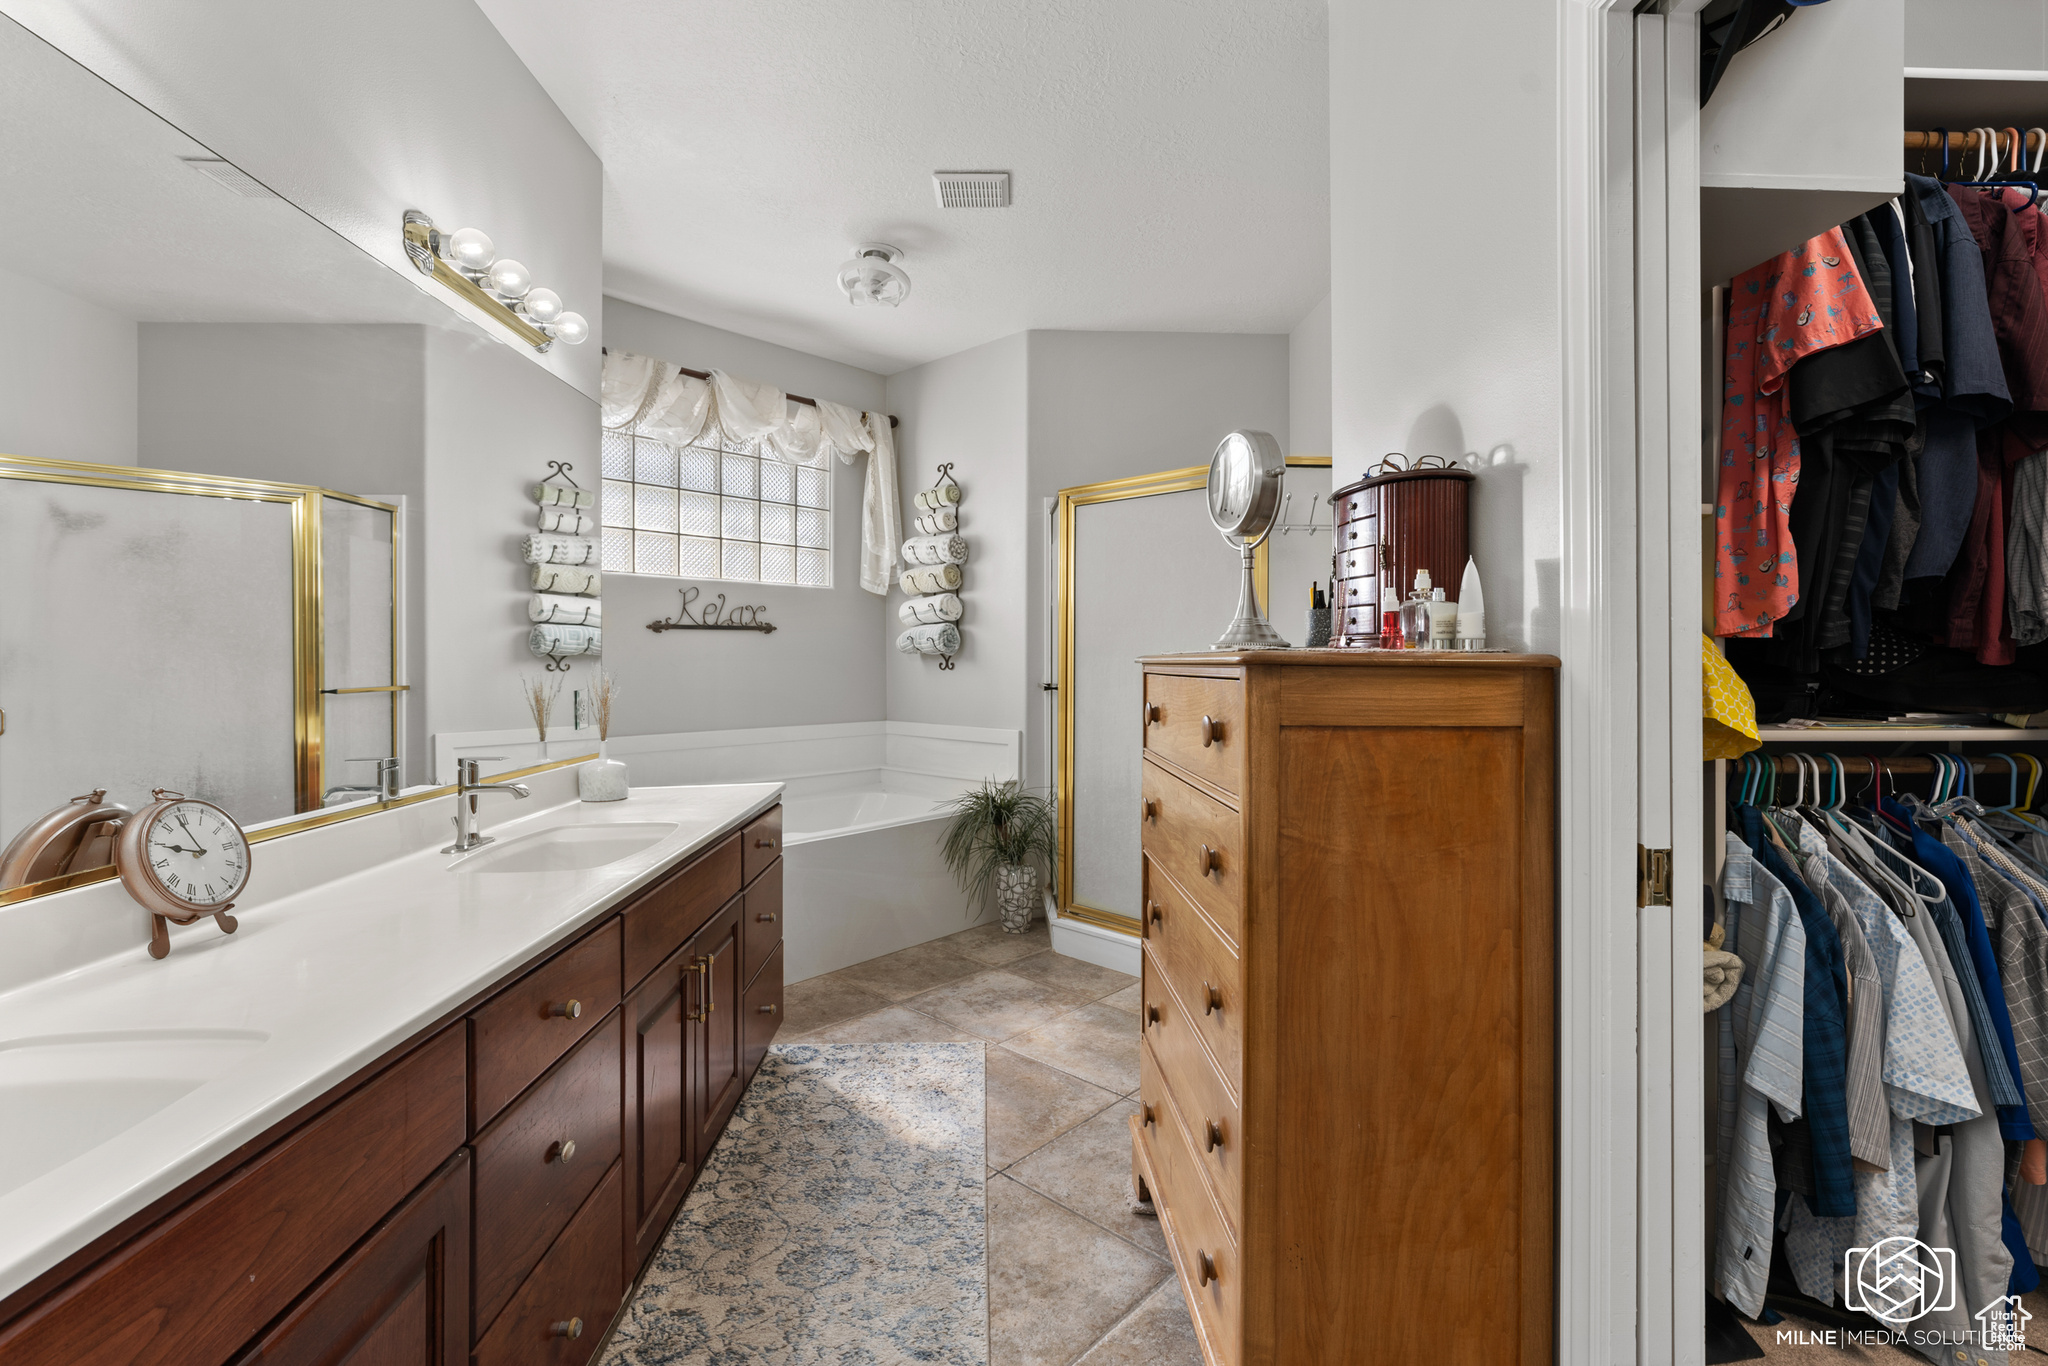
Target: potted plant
{"points": [[998, 836]]}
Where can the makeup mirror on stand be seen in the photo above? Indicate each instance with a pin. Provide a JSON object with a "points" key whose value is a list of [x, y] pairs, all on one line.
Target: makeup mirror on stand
{"points": [[1244, 503]]}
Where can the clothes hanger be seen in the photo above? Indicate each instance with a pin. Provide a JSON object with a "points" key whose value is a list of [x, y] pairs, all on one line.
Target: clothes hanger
{"points": [[1987, 161]]}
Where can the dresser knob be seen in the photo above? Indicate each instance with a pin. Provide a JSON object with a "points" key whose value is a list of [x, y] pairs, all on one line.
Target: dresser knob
{"points": [[1354, 535], [1158, 916], [1152, 1014], [1214, 1135], [1212, 1000], [1151, 713], [768, 1009], [1211, 732], [1209, 863], [766, 917], [764, 844], [1205, 1268], [1149, 1119], [566, 1328], [1151, 809], [571, 1009], [562, 1150]]}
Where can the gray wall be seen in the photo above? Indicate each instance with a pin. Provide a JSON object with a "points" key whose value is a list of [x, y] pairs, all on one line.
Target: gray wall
{"points": [[824, 662], [1308, 383], [1998, 35], [67, 377]]}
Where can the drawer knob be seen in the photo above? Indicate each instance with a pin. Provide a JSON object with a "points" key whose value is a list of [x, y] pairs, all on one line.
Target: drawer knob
{"points": [[571, 1009], [1151, 713], [1150, 1118], [1205, 1267], [1211, 732], [1209, 863], [566, 1328], [768, 1009], [764, 844], [1151, 809], [1152, 1014], [561, 1150], [1213, 1136], [766, 917], [1158, 916], [1212, 1000]]}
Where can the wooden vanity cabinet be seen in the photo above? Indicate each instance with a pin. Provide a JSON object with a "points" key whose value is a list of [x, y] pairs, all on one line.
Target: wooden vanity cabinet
{"points": [[720, 1044]]}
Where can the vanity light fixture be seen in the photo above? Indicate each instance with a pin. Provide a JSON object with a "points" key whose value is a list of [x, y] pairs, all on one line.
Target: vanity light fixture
{"points": [[873, 277], [489, 288]]}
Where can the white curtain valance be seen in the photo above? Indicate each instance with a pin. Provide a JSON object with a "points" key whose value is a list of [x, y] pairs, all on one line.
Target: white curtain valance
{"points": [[652, 398]]}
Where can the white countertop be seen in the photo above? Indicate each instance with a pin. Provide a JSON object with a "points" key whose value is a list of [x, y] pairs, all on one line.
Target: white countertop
{"points": [[314, 986]]}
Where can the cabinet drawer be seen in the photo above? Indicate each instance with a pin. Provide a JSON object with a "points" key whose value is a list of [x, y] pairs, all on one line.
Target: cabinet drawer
{"points": [[763, 1010], [670, 912], [518, 1034], [1198, 724], [561, 1312], [1359, 562], [1197, 841], [205, 1280], [1203, 1253], [529, 1181], [1202, 969], [761, 919], [761, 843], [1209, 1112]]}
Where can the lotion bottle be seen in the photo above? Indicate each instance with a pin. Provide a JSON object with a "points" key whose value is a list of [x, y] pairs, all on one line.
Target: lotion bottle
{"points": [[1443, 621]]}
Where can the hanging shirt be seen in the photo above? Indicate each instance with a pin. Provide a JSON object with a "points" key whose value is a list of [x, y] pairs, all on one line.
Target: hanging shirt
{"points": [[1769, 1030], [1790, 307], [2021, 940]]}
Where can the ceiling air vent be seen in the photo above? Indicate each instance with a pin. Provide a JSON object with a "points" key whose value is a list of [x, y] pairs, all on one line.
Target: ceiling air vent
{"points": [[232, 176], [972, 189]]}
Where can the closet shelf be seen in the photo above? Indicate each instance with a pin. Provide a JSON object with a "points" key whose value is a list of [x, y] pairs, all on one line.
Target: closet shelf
{"points": [[1965, 97], [1820, 738]]}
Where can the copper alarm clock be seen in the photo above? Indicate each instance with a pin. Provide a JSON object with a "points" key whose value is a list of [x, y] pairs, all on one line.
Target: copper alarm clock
{"points": [[182, 858]]}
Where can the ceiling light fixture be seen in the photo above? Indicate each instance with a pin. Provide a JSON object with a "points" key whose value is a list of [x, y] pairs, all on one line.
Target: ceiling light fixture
{"points": [[873, 277], [490, 289]]}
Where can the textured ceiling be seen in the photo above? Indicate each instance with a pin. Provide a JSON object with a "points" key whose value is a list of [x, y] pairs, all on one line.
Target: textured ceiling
{"points": [[1170, 161]]}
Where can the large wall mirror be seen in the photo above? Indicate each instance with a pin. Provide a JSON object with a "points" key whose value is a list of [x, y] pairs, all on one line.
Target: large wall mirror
{"points": [[213, 450], [1143, 572]]}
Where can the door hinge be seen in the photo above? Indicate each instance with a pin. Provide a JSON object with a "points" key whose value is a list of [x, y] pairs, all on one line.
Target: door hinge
{"points": [[1653, 877]]}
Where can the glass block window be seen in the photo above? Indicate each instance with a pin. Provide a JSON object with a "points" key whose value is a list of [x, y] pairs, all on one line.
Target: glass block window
{"points": [[714, 511]]}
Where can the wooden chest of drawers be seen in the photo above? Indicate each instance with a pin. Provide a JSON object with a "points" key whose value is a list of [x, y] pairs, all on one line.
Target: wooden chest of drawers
{"points": [[1347, 1074]]}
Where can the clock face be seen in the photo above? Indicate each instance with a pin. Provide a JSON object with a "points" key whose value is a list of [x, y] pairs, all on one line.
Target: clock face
{"points": [[196, 854]]}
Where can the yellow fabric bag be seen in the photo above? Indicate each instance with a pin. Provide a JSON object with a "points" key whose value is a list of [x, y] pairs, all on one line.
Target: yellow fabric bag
{"points": [[1730, 710]]}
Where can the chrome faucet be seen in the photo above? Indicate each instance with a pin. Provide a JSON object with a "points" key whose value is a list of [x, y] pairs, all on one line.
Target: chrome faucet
{"points": [[387, 777], [467, 789]]}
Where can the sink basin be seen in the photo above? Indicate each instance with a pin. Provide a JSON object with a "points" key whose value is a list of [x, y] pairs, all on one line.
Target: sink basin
{"points": [[570, 848], [64, 1094]]}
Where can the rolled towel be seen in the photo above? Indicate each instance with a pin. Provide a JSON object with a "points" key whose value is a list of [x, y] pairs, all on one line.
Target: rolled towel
{"points": [[555, 495], [929, 611], [943, 578], [942, 639], [932, 523], [566, 522], [554, 578], [565, 640], [935, 550], [540, 548], [944, 495], [564, 611]]}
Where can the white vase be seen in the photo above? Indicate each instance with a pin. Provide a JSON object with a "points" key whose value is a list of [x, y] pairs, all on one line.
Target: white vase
{"points": [[1017, 896], [602, 779]]}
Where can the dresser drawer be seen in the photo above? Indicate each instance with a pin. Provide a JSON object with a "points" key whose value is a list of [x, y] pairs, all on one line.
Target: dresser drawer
{"points": [[761, 919], [1198, 724], [671, 911], [763, 1010], [1208, 1110], [1203, 970], [561, 1312], [761, 843], [1197, 841], [1204, 1253], [1358, 562], [529, 1179], [517, 1034]]}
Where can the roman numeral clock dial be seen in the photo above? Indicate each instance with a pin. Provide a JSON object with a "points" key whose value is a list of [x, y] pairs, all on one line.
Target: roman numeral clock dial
{"points": [[182, 858]]}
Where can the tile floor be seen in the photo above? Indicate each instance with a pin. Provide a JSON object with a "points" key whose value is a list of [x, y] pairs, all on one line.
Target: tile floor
{"points": [[1074, 1276]]}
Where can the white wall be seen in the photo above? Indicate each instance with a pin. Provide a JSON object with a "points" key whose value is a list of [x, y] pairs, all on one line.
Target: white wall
{"points": [[1308, 383], [358, 112], [824, 661], [970, 408], [67, 376], [1444, 325]]}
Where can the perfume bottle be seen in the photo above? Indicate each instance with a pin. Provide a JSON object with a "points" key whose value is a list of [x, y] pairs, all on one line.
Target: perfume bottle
{"points": [[1443, 621], [1415, 614]]}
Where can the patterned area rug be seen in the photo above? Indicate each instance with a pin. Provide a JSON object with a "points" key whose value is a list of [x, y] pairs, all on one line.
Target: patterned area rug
{"points": [[840, 1220]]}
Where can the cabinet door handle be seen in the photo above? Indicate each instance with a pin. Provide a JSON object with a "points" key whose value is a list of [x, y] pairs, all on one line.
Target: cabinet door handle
{"points": [[1152, 1015], [1150, 1119], [561, 1150], [768, 1009], [1214, 1135], [1151, 713], [1209, 863], [566, 1328], [766, 917], [1211, 732], [764, 844], [1212, 1000], [1158, 916], [571, 1009], [1151, 809], [702, 967], [1205, 1267]]}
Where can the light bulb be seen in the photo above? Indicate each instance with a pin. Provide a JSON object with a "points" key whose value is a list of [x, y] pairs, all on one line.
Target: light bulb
{"points": [[508, 279], [468, 250], [543, 305], [572, 328]]}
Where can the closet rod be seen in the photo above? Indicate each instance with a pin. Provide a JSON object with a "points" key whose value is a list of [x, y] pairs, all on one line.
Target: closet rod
{"points": [[1862, 765], [1958, 142], [793, 398]]}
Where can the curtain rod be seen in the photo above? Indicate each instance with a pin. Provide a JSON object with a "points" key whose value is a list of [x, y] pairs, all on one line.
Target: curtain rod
{"points": [[706, 374]]}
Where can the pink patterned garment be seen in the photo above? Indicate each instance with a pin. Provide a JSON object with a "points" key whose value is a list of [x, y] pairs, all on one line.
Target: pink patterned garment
{"points": [[1807, 300]]}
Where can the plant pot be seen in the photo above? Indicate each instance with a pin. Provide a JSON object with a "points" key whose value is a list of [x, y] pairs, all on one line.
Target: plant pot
{"points": [[1017, 896], [602, 779]]}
